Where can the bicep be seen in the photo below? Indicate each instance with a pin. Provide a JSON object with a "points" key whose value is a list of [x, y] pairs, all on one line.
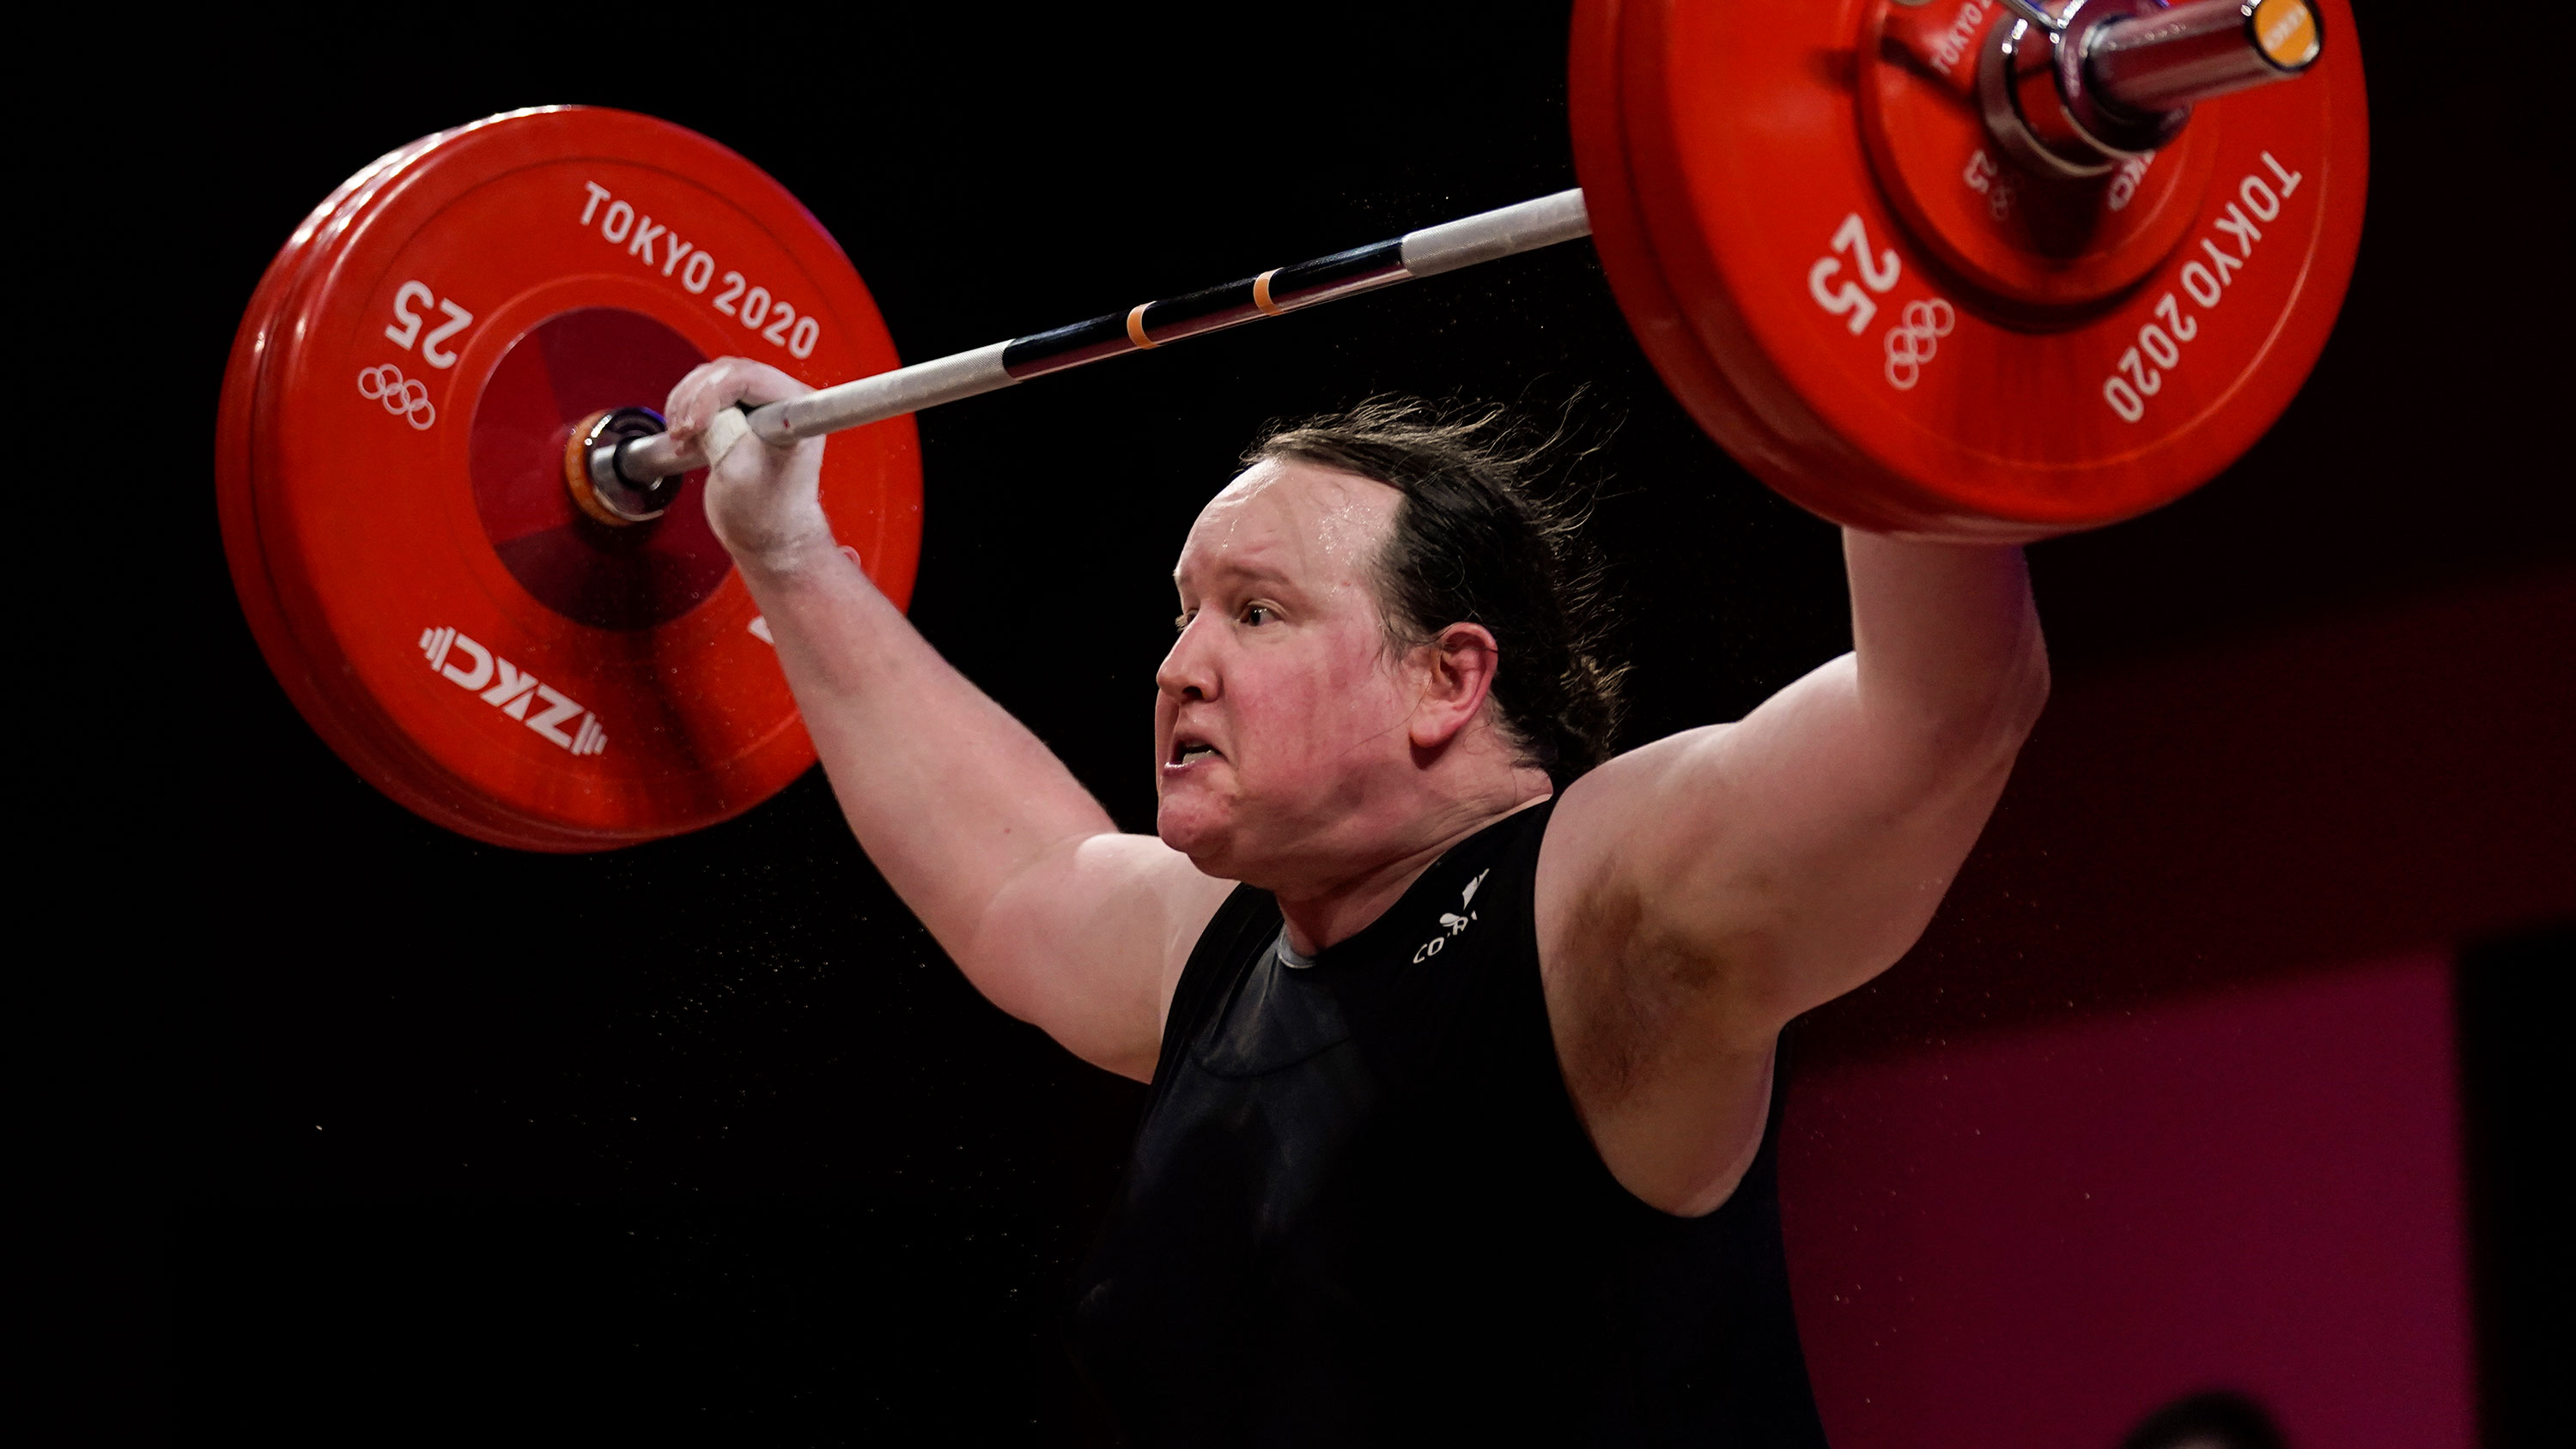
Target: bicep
{"points": [[1088, 942]]}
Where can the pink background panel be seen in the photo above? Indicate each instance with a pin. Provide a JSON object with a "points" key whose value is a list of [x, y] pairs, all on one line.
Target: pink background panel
{"points": [[2034, 1238]]}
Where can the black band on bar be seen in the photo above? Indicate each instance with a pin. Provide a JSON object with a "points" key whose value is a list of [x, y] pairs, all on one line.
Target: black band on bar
{"points": [[1338, 275], [1204, 310], [1207, 310], [1063, 347]]}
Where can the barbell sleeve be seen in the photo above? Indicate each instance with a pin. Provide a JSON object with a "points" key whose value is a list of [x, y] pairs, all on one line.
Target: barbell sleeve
{"points": [[1484, 237], [2200, 49]]}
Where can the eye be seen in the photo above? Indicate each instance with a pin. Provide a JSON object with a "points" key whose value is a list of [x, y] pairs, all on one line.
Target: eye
{"points": [[1258, 614], [1181, 625]]}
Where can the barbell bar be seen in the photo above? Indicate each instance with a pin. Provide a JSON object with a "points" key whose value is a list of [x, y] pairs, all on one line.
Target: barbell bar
{"points": [[624, 473]]}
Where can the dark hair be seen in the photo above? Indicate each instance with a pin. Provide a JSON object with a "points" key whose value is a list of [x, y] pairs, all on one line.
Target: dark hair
{"points": [[1474, 542]]}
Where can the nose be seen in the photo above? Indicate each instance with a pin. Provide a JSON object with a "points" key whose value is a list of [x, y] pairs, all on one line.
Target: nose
{"points": [[1188, 673]]}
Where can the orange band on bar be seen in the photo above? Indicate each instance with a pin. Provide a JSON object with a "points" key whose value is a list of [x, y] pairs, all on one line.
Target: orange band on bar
{"points": [[1136, 325], [1261, 294]]}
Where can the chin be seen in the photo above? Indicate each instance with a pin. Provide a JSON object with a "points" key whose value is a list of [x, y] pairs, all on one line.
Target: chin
{"points": [[1197, 831]]}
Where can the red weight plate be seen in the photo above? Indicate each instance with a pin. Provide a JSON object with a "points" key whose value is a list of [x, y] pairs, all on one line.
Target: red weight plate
{"points": [[377, 755], [477, 648], [1619, 236], [1892, 383], [360, 737], [252, 346]]}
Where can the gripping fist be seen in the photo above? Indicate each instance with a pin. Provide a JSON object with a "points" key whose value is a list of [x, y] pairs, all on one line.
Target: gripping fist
{"points": [[764, 503]]}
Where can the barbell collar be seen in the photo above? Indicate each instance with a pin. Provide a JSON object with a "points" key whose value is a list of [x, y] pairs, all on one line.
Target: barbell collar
{"points": [[1428, 252]]}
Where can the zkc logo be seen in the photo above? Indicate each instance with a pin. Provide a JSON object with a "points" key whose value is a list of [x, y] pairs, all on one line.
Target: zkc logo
{"points": [[512, 690], [1452, 923]]}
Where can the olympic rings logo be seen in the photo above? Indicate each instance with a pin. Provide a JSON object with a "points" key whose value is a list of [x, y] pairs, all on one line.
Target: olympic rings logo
{"points": [[402, 396], [1913, 341]]}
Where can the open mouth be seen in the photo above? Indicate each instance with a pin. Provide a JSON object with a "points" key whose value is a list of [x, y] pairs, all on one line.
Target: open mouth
{"points": [[1188, 750]]}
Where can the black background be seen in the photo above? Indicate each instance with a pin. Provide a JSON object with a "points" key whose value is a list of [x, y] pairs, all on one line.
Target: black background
{"points": [[706, 1139]]}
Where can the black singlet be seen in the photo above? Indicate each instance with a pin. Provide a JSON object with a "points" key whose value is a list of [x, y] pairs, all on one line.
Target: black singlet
{"points": [[1361, 1209]]}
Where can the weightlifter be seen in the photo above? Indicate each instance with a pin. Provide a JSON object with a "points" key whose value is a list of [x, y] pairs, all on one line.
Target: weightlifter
{"points": [[1461, 1029]]}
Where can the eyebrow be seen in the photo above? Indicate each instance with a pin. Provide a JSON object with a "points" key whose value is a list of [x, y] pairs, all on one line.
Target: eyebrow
{"points": [[1253, 573]]}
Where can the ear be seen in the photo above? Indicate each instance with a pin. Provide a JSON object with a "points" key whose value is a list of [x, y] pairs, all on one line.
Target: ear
{"points": [[1457, 675]]}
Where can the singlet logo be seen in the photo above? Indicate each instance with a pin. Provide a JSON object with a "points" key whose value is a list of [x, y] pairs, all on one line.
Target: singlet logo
{"points": [[1453, 922]]}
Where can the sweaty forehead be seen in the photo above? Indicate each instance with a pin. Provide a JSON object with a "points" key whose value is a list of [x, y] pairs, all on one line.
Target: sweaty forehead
{"points": [[1299, 522]]}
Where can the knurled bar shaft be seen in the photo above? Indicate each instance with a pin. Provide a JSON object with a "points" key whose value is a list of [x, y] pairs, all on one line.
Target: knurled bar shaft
{"points": [[1484, 237]]}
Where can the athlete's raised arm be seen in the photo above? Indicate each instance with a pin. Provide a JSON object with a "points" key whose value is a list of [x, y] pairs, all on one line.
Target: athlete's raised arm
{"points": [[1054, 915], [1699, 892]]}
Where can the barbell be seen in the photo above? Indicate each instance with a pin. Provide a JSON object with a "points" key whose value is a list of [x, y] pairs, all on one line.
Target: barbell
{"points": [[1953, 268]]}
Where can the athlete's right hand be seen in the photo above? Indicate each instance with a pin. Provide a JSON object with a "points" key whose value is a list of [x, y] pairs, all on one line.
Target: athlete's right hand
{"points": [[764, 503]]}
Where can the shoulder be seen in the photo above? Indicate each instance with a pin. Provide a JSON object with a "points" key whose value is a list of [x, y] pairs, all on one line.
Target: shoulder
{"points": [[1608, 825]]}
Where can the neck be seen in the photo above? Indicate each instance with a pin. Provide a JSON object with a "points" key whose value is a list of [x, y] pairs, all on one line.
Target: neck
{"points": [[1329, 913]]}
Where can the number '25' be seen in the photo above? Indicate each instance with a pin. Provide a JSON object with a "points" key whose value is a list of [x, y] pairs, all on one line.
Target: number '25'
{"points": [[406, 324]]}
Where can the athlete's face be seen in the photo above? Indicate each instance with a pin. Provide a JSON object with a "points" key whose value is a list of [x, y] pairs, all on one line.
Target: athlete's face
{"points": [[1279, 710]]}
